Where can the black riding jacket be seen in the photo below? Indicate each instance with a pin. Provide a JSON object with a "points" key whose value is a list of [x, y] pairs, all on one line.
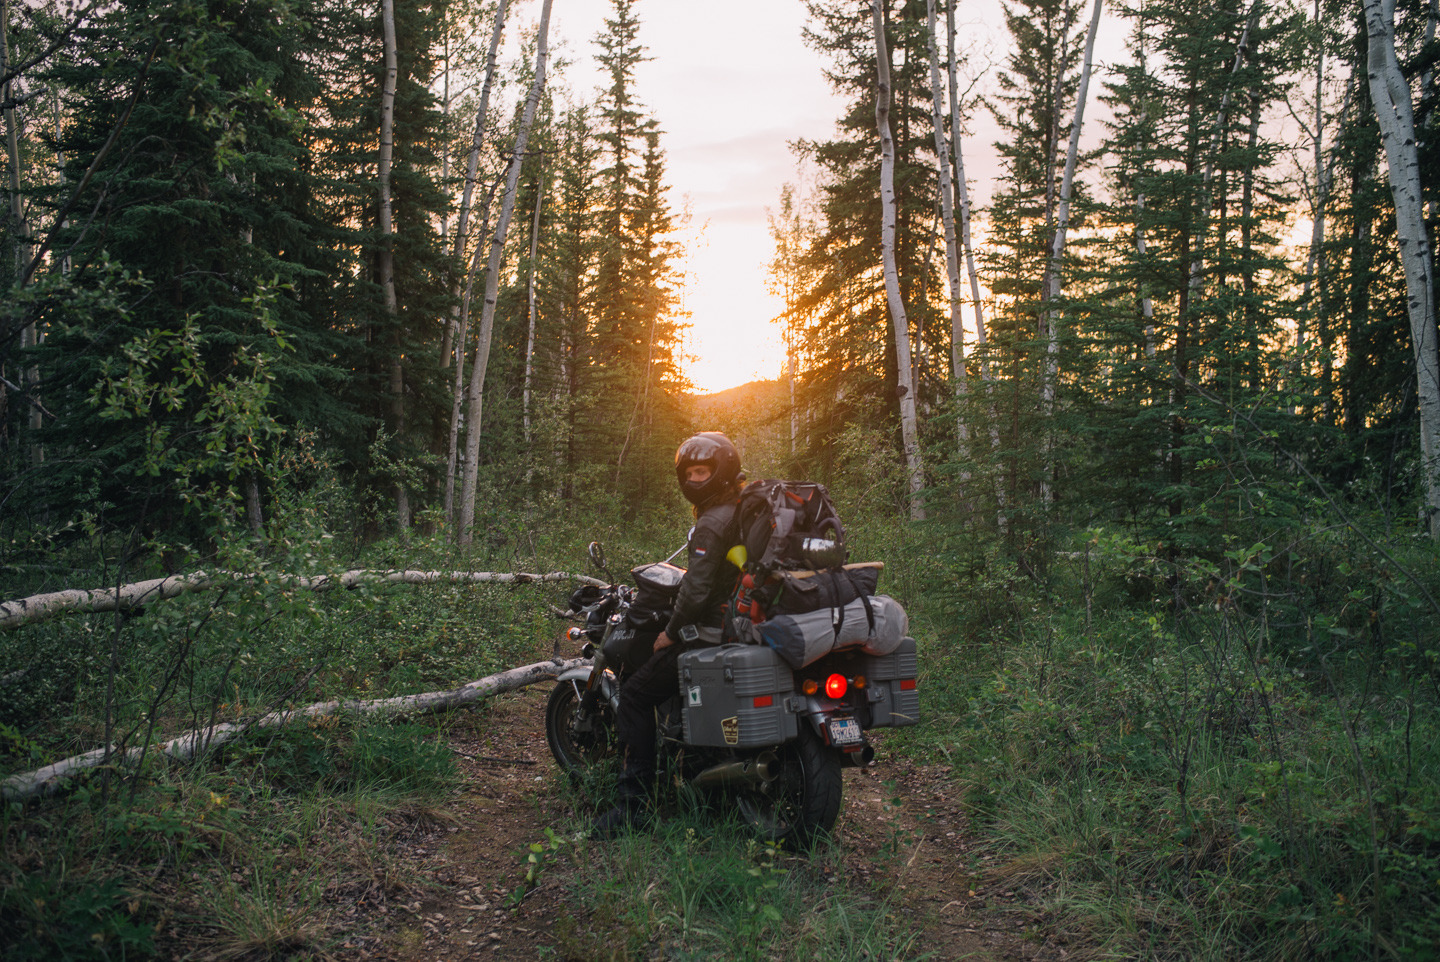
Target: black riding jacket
{"points": [[710, 578]]}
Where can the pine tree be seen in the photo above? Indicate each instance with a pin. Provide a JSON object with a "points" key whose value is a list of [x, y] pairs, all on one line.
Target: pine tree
{"points": [[634, 321], [849, 369]]}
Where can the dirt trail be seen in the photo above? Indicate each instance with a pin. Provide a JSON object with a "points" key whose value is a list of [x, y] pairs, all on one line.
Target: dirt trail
{"points": [[902, 827]]}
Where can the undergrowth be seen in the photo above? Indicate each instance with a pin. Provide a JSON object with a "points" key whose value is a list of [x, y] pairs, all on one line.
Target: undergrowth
{"points": [[699, 886], [1233, 757], [264, 852]]}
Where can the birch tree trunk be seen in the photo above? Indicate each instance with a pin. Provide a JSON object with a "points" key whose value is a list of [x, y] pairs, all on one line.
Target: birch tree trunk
{"points": [[387, 253], [129, 597], [531, 310], [492, 287], [962, 187], [1147, 305], [1050, 290], [1393, 110], [947, 214], [50, 779], [459, 325], [20, 231], [18, 225], [909, 433], [457, 394]]}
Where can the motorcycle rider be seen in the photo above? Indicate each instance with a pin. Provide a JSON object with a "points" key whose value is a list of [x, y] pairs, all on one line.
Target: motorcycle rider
{"points": [[708, 469]]}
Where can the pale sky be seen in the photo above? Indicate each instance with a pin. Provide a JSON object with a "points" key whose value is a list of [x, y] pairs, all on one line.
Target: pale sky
{"points": [[732, 84]]}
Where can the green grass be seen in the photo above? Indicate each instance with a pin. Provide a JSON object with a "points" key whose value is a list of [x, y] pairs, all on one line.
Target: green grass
{"points": [[1253, 774], [1231, 758], [223, 857], [699, 886]]}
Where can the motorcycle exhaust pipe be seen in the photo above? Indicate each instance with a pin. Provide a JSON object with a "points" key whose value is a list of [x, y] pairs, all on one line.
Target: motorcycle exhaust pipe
{"points": [[859, 759], [745, 772]]}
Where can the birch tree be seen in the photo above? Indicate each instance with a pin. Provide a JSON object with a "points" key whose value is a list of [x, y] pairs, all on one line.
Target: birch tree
{"points": [[962, 187], [947, 213], [1394, 112], [492, 285], [1050, 289], [909, 433], [458, 327], [386, 256]]}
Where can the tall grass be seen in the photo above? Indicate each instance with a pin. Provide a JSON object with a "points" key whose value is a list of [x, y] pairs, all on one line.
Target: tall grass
{"points": [[1232, 758]]}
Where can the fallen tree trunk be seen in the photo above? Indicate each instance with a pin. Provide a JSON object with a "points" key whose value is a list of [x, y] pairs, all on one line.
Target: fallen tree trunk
{"points": [[48, 780], [24, 611]]}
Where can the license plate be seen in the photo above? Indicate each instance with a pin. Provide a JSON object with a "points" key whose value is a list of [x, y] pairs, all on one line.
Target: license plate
{"points": [[845, 731]]}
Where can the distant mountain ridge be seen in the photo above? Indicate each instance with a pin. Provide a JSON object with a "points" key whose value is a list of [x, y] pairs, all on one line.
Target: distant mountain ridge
{"points": [[756, 416]]}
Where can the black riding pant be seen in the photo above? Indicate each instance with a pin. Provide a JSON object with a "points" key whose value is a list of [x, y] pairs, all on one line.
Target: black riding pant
{"points": [[640, 694]]}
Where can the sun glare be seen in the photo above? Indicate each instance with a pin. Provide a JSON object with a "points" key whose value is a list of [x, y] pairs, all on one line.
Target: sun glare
{"points": [[733, 338]]}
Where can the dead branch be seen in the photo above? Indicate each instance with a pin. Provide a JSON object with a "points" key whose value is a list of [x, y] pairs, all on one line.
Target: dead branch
{"points": [[48, 780], [24, 611]]}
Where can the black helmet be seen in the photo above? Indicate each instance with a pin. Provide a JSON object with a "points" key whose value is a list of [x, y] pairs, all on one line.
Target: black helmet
{"points": [[713, 449]]}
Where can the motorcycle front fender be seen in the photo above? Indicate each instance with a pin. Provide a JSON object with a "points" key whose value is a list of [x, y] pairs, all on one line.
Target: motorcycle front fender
{"points": [[580, 678]]}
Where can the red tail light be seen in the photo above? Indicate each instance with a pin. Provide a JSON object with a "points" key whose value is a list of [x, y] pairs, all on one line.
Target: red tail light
{"points": [[836, 686]]}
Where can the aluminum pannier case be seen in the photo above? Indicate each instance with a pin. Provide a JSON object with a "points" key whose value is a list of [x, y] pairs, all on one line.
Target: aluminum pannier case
{"points": [[894, 702], [736, 696]]}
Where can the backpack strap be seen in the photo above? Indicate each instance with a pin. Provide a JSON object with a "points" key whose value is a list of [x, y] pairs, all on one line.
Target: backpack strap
{"points": [[837, 613]]}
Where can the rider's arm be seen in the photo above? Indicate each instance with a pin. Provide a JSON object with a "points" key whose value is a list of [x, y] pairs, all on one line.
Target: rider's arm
{"points": [[708, 580]]}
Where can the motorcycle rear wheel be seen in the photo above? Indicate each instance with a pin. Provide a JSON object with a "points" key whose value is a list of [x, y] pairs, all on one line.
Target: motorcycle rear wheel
{"points": [[800, 806], [581, 746]]}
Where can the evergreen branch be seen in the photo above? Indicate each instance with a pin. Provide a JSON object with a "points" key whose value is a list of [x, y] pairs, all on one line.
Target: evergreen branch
{"points": [[1299, 464], [49, 241], [12, 73]]}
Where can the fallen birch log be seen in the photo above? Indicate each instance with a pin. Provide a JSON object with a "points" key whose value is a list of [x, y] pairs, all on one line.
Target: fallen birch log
{"points": [[48, 780], [24, 611]]}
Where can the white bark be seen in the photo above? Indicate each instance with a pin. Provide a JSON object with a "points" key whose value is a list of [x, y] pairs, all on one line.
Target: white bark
{"points": [[387, 248], [492, 287], [914, 467], [962, 186], [25, 611], [20, 231], [48, 780], [1147, 306], [477, 140], [1393, 110], [18, 226], [532, 310], [459, 325], [947, 214], [457, 394], [1050, 289]]}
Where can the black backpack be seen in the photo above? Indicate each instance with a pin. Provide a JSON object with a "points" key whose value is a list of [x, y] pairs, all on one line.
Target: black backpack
{"points": [[789, 525]]}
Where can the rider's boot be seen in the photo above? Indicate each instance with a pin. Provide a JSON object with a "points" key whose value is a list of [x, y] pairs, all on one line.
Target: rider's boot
{"points": [[631, 809]]}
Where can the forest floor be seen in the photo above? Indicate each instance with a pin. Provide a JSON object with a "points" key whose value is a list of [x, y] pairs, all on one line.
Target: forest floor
{"points": [[902, 832]]}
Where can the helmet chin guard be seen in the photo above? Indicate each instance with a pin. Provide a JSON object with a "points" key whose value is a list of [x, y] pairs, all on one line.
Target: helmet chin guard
{"points": [[715, 451]]}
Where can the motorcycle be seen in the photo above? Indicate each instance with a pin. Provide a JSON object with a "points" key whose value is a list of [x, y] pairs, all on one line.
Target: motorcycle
{"points": [[745, 727]]}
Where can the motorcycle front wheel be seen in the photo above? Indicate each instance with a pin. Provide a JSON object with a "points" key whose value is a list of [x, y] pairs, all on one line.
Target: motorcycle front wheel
{"points": [[582, 741], [801, 804]]}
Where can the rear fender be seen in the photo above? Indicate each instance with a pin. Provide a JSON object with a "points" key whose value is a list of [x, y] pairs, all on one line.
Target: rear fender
{"points": [[818, 711]]}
